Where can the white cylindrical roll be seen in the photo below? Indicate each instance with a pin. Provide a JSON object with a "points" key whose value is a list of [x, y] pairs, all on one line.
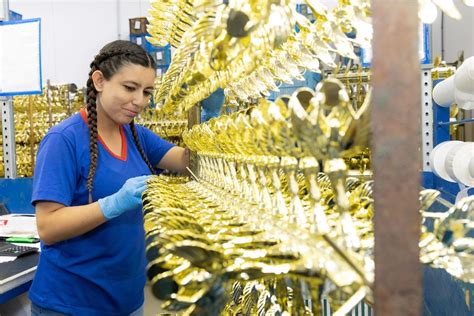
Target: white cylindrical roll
{"points": [[464, 85], [458, 163], [438, 159], [464, 100], [471, 167], [466, 104], [449, 160], [464, 76], [443, 92]]}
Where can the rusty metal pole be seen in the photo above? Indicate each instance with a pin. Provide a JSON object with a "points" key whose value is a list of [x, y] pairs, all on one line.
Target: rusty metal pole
{"points": [[194, 115], [396, 157], [194, 118]]}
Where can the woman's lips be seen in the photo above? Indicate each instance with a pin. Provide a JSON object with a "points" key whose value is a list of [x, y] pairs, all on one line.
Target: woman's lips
{"points": [[131, 113]]}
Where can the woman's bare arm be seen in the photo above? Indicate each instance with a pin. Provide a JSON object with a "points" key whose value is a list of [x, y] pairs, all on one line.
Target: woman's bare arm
{"points": [[57, 222], [176, 159]]}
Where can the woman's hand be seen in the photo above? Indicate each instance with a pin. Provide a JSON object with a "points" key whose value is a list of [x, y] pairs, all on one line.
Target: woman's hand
{"points": [[129, 197]]}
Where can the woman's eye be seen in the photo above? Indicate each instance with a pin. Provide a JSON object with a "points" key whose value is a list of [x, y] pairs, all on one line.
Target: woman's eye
{"points": [[129, 88], [147, 93]]}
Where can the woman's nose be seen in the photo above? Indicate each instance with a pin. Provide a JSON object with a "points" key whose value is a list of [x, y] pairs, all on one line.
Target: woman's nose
{"points": [[139, 99]]}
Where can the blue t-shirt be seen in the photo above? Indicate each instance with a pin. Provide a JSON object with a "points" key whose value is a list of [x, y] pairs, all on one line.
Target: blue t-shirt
{"points": [[103, 271]]}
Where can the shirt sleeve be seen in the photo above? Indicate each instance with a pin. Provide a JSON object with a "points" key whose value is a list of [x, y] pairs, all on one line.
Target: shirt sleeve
{"points": [[155, 147], [56, 171]]}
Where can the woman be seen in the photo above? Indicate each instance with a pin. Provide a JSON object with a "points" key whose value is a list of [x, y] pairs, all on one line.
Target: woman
{"points": [[90, 173]]}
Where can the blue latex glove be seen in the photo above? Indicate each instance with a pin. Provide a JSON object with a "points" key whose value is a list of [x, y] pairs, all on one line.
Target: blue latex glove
{"points": [[129, 197], [211, 106]]}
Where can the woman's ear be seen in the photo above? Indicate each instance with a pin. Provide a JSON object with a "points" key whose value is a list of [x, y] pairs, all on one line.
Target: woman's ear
{"points": [[98, 80]]}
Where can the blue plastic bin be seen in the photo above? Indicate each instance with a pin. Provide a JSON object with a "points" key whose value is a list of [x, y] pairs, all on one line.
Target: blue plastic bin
{"points": [[139, 40], [311, 79]]}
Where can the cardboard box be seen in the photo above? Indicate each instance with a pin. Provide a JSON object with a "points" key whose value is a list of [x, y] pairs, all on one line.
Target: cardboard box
{"points": [[138, 26]]}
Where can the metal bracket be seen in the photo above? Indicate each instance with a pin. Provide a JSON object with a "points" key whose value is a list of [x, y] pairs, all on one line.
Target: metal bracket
{"points": [[460, 122], [8, 133], [426, 115], [8, 124]]}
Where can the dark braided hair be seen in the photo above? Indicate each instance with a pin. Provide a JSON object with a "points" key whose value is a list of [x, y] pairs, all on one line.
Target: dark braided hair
{"points": [[140, 148], [110, 59]]}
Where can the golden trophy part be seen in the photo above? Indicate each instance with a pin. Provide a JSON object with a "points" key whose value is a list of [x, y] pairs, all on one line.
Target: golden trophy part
{"points": [[304, 49], [254, 146], [35, 115], [248, 48], [260, 229], [168, 126], [213, 240], [168, 21], [450, 245], [241, 47], [326, 124], [202, 255]]}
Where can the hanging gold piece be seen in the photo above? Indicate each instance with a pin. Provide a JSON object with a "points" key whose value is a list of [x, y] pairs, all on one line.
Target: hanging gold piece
{"points": [[249, 48], [261, 230], [34, 116]]}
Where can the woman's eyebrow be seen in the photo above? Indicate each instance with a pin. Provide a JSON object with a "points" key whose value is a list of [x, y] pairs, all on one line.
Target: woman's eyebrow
{"points": [[132, 82]]}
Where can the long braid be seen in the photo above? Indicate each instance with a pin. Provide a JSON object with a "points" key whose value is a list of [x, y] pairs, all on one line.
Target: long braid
{"points": [[111, 57], [92, 117], [93, 133], [139, 146]]}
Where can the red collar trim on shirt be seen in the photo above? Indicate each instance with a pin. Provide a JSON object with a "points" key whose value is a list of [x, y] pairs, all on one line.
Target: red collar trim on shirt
{"points": [[123, 154]]}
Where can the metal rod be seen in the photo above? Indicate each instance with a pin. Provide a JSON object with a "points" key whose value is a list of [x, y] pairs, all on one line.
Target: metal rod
{"points": [[442, 35], [68, 102], [8, 123], [48, 98], [427, 117], [457, 122], [8, 134], [192, 174], [32, 134], [194, 116], [396, 157]]}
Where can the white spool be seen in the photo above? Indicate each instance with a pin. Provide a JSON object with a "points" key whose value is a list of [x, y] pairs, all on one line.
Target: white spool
{"points": [[464, 100], [464, 85], [438, 159], [458, 163], [458, 88], [471, 166], [449, 160], [464, 76], [443, 92]]}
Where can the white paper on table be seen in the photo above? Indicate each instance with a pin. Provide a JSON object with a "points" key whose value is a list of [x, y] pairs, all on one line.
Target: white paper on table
{"points": [[4, 259], [18, 225]]}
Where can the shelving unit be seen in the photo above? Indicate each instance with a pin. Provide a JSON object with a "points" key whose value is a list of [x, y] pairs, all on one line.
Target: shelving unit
{"points": [[436, 130], [435, 133], [161, 54]]}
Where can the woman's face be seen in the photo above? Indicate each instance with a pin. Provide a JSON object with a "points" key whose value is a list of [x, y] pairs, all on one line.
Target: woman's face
{"points": [[126, 93]]}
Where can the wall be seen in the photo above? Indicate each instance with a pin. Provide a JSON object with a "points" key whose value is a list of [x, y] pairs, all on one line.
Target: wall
{"points": [[73, 31], [458, 35]]}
